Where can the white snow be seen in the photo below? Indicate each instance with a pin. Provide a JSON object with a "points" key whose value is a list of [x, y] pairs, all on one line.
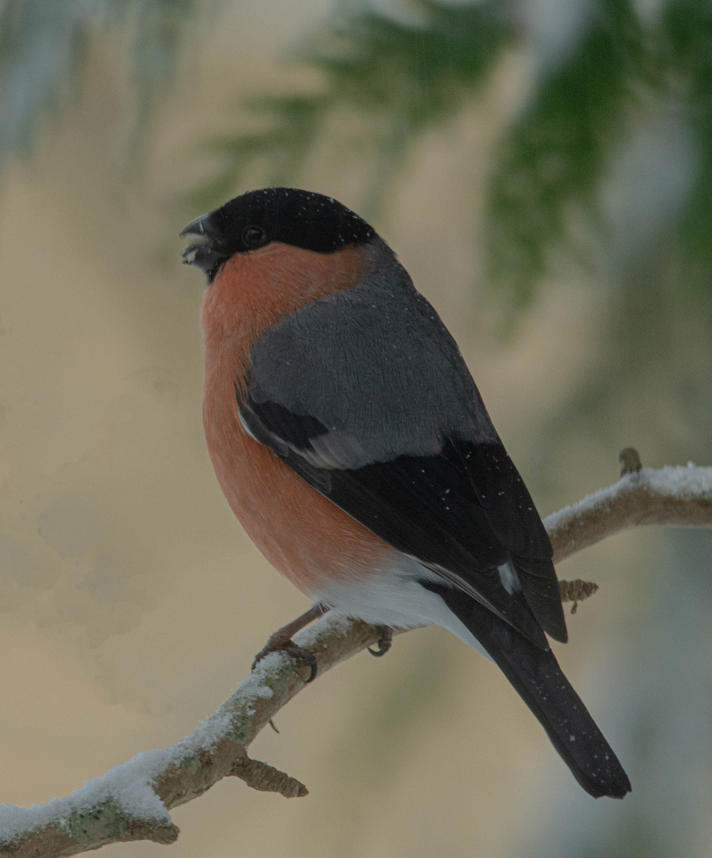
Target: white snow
{"points": [[128, 784], [331, 622], [684, 482]]}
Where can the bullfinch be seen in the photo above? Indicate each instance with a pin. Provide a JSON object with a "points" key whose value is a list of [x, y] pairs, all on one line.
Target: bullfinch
{"points": [[352, 443]]}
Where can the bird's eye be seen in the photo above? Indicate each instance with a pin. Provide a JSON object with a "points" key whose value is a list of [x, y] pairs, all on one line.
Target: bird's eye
{"points": [[253, 236]]}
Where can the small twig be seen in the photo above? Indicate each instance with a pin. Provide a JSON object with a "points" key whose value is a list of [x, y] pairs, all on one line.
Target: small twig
{"points": [[262, 776], [576, 591], [630, 461]]}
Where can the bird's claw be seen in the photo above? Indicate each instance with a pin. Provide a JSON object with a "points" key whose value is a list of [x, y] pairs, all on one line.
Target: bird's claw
{"points": [[385, 641], [290, 648]]}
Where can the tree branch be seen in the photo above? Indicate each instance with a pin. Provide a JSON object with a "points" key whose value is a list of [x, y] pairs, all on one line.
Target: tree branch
{"points": [[679, 496], [131, 801]]}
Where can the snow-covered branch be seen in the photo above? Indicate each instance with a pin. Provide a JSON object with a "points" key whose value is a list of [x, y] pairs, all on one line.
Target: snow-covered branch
{"points": [[131, 801], [680, 496]]}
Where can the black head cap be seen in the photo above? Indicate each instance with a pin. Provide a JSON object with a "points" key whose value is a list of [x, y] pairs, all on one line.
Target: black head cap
{"points": [[252, 220]]}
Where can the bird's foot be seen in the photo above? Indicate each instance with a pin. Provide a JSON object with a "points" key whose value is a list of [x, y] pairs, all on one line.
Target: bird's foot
{"points": [[281, 641], [385, 641]]}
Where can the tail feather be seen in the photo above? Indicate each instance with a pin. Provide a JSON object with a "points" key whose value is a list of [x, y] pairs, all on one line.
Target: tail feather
{"points": [[540, 682]]}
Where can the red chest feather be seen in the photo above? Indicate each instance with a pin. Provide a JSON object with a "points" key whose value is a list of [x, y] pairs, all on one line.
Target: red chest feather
{"points": [[301, 533]]}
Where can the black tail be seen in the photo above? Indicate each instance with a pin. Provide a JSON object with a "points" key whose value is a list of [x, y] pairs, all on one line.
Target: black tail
{"points": [[538, 679]]}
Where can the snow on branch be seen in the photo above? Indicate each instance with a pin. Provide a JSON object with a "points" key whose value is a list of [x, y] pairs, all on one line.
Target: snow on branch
{"points": [[680, 496], [132, 800]]}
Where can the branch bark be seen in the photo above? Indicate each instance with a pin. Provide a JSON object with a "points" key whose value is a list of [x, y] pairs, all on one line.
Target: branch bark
{"points": [[131, 801]]}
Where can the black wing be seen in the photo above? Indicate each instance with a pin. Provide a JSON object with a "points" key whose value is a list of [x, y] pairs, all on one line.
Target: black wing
{"points": [[370, 401]]}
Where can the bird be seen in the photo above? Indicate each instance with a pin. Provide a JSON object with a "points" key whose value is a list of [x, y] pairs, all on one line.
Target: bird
{"points": [[351, 442]]}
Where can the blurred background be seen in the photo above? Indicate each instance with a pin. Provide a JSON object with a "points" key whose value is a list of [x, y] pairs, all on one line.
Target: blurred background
{"points": [[544, 170]]}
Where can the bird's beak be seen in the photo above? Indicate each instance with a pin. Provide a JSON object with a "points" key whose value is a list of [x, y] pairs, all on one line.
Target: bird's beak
{"points": [[207, 250]]}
